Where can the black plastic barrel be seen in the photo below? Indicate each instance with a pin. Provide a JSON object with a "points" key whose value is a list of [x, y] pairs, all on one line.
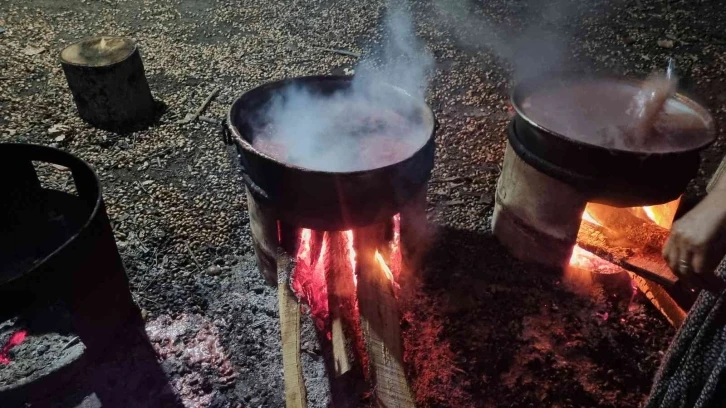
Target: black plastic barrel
{"points": [[58, 246]]}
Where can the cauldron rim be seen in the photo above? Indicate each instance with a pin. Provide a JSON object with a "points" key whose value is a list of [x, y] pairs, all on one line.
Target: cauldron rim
{"points": [[36, 152], [516, 96], [243, 143]]}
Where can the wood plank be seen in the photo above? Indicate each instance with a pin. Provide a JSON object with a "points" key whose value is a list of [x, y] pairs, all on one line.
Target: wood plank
{"points": [[661, 299], [621, 224], [341, 292], [380, 322], [646, 262], [289, 308], [263, 225]]}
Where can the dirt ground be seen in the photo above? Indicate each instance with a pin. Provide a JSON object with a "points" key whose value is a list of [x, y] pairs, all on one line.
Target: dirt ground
{"points": [[481, 329]]}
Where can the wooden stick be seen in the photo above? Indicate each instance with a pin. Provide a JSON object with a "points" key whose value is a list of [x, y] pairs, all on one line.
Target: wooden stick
{"points": [[379, 317], [642, 261], [295, 394], [339, 51], [190, 117], [340, 354], [661, 300], [341, 292]]}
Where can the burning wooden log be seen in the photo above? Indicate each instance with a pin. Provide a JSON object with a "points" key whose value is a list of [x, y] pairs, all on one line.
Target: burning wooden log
{"points": [[646, 267], [341, 298], [623, 225], [106, 77], [661, 299], [380, 320], [628, 255], [295, 394]]}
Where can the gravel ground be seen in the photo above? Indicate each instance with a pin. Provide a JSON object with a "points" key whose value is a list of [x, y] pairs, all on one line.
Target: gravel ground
{"points": [[178, 210]]}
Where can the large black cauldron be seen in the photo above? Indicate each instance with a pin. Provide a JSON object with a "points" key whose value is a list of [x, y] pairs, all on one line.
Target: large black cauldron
{"points": [[326, 200], [611, 175]]}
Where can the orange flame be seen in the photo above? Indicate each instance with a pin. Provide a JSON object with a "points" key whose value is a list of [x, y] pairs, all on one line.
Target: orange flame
{"points": [[661, 215], [584, 259], [303, 252], [349, 245], [386, 270], [651, 214], [587, 217]]}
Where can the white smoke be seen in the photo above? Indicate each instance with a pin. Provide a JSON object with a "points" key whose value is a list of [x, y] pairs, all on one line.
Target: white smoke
{"points": [[533, 37], [366, 126]]}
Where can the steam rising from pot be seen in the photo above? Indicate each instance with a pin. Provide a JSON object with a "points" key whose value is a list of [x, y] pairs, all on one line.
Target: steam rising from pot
{"points": [[369, 125]]}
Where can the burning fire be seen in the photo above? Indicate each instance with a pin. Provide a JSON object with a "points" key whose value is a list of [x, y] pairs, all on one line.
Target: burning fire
{"points": [[589, 218], [16, 339], [348, 235], [585, 260], [382, 263], [309, 281], [650, 212], [661, 215]]}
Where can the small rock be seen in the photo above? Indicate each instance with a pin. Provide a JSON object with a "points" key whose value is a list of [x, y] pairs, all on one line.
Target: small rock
{"points": [[2, 30], [58, 129], [30, 50], [665, 43], [628, 40], [258, 289], [144, 314], [60, 138], [214, 270]]}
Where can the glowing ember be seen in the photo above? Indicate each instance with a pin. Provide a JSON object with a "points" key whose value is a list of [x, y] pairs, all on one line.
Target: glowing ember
{"points": [[16, 339], [308, 280], [396, 256]]}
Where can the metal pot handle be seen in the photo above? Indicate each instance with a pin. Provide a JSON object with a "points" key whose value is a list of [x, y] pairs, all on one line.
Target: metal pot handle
{"points": [[226, 134]]}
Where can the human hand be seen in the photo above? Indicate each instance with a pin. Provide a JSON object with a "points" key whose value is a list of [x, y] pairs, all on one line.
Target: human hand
{"points": [[697, 243]]}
